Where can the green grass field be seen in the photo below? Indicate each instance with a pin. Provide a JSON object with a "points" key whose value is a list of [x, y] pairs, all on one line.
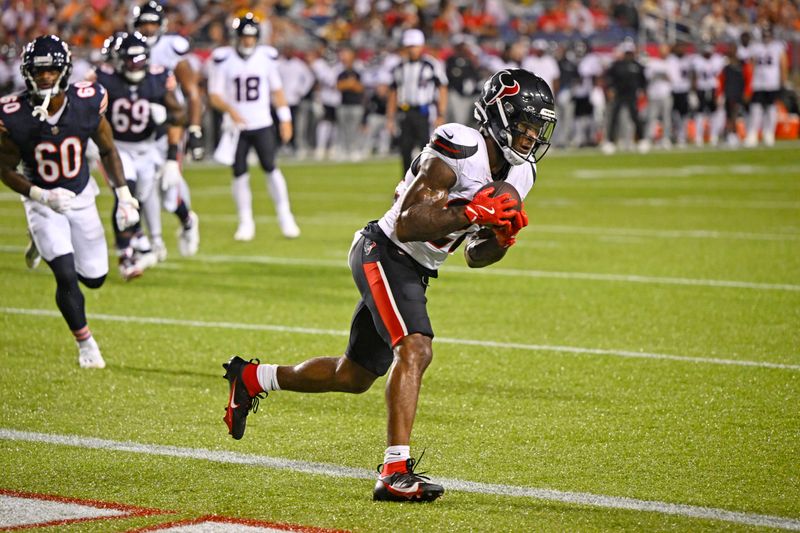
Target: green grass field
{"points": [[641, 343]]}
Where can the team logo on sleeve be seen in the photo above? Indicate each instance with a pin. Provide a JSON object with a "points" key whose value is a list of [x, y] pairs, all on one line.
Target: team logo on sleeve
{"points": [[369, 246], [505, 85]]}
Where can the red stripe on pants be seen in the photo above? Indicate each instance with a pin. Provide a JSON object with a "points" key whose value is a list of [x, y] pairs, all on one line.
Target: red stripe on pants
{"points": [[380, 293]]}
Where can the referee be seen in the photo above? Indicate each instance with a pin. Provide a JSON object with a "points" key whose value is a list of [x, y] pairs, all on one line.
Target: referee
{"points": [[417, 83]]}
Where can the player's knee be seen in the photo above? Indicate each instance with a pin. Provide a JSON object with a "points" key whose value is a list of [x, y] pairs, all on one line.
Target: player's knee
{"points": [[352, 378], [415, 350], [63, 268], [92, 283]]}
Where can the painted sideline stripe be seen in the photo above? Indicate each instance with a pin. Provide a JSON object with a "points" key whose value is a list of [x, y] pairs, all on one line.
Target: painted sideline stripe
{"points": [[506, 272], [511, 272], [324, 469], [442, 340]]}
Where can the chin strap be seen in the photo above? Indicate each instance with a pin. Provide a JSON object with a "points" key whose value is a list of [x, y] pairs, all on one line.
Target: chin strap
{"points": [[40, 111]]}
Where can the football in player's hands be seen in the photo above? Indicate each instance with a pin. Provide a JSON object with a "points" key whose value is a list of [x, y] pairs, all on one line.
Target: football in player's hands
{"points": [[495, 204], [503, 187]]}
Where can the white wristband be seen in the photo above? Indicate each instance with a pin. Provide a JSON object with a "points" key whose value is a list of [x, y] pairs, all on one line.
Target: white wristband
{"points": [[35, 193], [124, 194], [284, 113]]}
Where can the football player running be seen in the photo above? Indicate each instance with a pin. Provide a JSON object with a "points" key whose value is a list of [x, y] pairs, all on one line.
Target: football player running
{"points": [[442, 203], [244, 83], [46, 128], [171, 52], [140, 99]]}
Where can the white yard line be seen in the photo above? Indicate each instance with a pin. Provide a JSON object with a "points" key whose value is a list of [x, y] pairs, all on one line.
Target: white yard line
{"points": [[441, 340], [495, 271], [650, 173], [331, 470]]}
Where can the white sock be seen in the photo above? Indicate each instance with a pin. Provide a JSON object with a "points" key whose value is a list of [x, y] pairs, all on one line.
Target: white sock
{"points": [[268, 377], [396, 453], [87, 343], [276, 184], [240, 187], [151, 207], [756, 119], [770, 120]]}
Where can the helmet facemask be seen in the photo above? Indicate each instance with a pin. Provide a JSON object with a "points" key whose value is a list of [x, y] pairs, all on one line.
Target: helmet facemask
{"points": [[522, 135], [246, 28], [39, 57], [133, 64]]}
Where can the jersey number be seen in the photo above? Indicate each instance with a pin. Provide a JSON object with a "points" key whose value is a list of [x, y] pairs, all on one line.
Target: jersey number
{"points": [[10, 104], [67, 163], [130, 116], [247, 88]]}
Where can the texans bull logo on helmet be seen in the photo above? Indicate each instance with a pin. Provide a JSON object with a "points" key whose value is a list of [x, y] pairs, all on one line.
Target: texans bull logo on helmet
{"points": [[501, 85]]}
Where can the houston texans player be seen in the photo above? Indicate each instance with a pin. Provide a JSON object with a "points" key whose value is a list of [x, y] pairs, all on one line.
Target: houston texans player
{"points": [[141, 98], [442, 203], [244, 83], [46, 128]]}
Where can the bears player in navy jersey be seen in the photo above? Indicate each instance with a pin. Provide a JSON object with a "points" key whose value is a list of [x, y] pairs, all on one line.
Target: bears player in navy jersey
{"points": [[46, 128], [171, 51], [141, 98], [445, 199]]}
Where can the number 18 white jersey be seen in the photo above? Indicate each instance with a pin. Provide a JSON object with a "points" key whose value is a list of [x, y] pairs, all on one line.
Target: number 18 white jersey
{"points": [[246, 83], [463, 149]]}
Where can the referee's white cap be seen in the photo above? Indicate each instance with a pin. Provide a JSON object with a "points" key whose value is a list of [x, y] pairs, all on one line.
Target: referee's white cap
{"points": [[413, 37]]}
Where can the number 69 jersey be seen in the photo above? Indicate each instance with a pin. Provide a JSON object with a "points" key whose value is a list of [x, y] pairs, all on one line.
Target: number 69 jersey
{"points": [[246, 83], [129, 105], [463, 149], [53, 151]]}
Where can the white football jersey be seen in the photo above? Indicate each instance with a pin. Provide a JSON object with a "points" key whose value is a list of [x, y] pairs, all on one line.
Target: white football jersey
{"points": [[298, 80], [327, 75], [657, 73], [169, 50], [546, 67], [680, 73], [766, 58], [463, 149], [589, 68], [246, 83], [706, 70]]}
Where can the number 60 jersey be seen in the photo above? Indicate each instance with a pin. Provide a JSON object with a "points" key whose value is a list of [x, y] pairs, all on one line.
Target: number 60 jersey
{"points": [[53, 150]]}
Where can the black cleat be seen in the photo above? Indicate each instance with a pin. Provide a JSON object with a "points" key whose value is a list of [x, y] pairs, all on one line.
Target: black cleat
{"points": [[240, 402], [405, 486]]}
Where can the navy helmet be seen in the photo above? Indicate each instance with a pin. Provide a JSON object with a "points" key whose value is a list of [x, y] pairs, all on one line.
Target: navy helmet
{"points": [[47, 52], [149, 12], [246, 26], [129, 54]]}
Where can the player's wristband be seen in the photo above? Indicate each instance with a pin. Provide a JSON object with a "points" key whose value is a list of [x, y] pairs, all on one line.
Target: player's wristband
{"points": [[123, 194], [284, 113], [35, 193], [172, 152], [195, 130]]}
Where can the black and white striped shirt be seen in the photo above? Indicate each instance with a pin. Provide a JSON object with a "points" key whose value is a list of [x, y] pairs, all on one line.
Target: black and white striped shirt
{"points": [[416, 81]]}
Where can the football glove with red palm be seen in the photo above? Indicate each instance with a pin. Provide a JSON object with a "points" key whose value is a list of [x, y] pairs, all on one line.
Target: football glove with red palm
{"points": [[507, 235], [487, 210]]}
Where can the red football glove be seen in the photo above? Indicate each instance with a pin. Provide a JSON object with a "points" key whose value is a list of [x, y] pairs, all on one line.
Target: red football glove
{"points": [[486, 210], [507, 235]]}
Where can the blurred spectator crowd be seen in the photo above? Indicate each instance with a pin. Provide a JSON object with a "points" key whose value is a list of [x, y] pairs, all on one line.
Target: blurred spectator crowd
{"points": [[570, 43]]}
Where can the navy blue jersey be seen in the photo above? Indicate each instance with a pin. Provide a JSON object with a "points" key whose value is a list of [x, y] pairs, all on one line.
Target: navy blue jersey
{"points": [[129, 104], [53, 155]]}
